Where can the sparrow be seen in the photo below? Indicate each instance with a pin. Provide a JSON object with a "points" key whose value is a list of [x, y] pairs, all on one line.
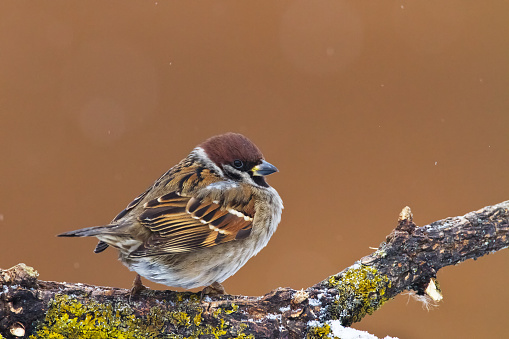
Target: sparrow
{"points": [[201, 221]]}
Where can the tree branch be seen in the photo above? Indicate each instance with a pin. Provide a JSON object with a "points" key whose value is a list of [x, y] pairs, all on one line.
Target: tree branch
{"points": [[409, 259]]}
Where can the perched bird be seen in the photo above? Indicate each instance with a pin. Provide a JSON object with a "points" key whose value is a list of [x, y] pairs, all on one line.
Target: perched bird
{"points": [[201, 221]]}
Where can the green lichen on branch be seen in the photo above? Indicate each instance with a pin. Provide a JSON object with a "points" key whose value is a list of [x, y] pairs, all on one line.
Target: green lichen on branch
{"points": [[69, 318], [319, 332], [361, 290], [232, 308]]}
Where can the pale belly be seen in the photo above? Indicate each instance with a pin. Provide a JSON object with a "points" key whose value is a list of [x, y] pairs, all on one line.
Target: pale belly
{"points": [[195, 269]]}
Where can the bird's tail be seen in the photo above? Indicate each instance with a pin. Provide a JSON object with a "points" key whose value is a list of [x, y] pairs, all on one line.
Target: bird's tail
{"points": [[90, 231]]}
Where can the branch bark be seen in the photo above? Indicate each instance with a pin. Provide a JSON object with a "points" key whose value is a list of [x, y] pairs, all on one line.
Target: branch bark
{"points": [[408, 259]]}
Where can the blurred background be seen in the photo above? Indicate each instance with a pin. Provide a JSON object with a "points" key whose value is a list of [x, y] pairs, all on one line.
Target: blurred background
{"points": [[365, 107]]}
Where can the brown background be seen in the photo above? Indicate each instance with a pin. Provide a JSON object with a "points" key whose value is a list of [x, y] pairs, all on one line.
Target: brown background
{"points": [[364, 107]]}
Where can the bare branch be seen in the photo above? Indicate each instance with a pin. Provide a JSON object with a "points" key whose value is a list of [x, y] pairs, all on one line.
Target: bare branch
{"points": [[409, 259]]}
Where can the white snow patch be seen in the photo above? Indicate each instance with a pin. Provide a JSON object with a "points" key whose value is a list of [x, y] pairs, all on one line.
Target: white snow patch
{"points": [[345, 332], [314, 323], [350, 333], [273, 316], [284, 309], [314, 302], [355, 266]]}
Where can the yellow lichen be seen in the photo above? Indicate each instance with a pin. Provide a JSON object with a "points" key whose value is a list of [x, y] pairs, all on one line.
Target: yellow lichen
{"points": [[241, 335], [181, 319], [361, 289], [318, 332], [333, 281], [234, 308], [194, 298], [217, 331], [67, 318], [197, 319], [216, 313]]}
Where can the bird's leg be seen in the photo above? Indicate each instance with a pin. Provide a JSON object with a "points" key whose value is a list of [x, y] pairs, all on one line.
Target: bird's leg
{"points": [[137, 286], [213, 289]]}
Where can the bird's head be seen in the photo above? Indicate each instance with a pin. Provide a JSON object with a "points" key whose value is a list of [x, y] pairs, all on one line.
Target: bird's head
{"points": [[238, 158]]}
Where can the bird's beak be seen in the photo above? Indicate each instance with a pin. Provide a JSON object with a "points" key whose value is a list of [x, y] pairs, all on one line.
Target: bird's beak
{"points": [[264, 168]]}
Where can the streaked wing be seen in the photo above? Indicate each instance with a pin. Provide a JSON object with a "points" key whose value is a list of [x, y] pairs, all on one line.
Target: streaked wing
{"points": [[101, 245], [131, 205], [182, 224]]}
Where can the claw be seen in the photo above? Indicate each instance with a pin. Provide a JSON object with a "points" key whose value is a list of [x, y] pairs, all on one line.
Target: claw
{"points": [[214, 289], [137, 287]]}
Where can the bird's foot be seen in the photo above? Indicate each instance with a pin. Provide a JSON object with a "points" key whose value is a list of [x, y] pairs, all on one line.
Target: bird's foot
{"points": [[213, 289], [137, 287]]}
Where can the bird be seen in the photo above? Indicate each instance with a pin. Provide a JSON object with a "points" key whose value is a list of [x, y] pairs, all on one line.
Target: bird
{"points": [[200, 222]]}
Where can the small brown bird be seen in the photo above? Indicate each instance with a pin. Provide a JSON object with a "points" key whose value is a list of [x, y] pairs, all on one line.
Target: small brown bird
{"points": [[201, 221]]}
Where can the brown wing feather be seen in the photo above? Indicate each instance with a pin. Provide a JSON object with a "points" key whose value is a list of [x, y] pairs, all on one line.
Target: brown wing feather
{"points": [[101, 245], [183, 224]]}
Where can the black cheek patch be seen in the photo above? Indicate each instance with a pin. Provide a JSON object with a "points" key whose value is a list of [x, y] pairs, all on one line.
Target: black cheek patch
{"points": [[233, 176], [260, 181]]}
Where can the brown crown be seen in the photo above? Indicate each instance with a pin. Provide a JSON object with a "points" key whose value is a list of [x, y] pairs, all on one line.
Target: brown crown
{"points": [[224, 148]]}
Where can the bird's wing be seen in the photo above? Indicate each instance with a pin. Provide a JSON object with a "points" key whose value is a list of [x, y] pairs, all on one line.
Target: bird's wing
{"points": [[101, 245], [182, 222]]}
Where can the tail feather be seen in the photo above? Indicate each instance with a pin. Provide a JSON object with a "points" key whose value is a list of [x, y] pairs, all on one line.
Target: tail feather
{"points": [[109, 235], [89, 231], [101, 246]]}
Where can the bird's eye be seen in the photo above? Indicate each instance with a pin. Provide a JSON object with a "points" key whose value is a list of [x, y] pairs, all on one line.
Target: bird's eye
{"points": [[238, 163]]}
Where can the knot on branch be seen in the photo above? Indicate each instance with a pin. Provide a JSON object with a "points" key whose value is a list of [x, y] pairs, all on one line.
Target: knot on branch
{"points": [[403, 231], [20, 274], [406, 221]]}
